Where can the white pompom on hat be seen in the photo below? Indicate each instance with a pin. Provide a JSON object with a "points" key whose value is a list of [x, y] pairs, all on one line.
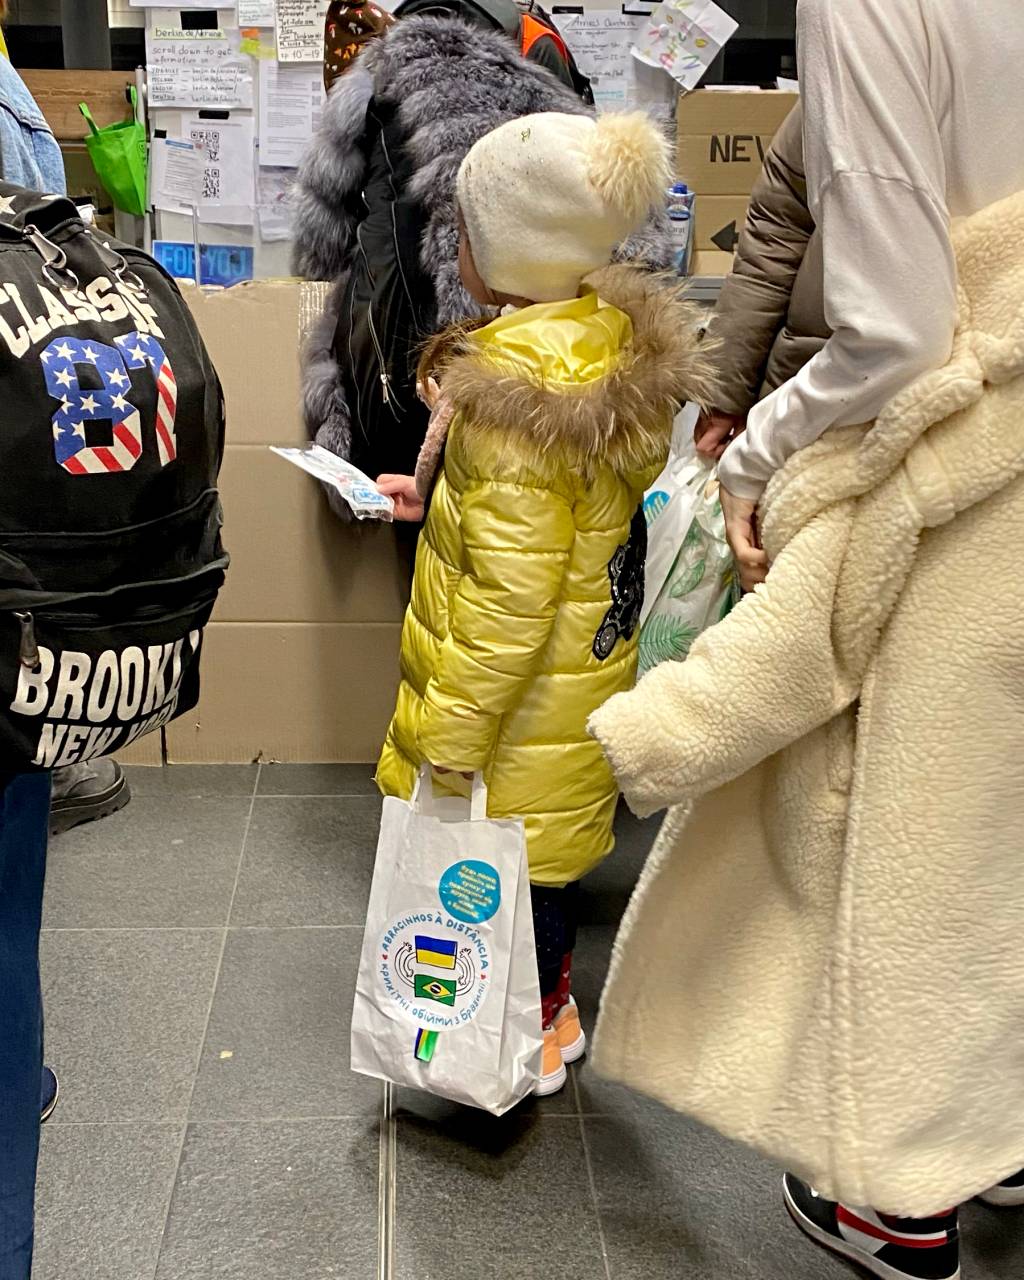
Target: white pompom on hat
{"points": [[546, 198]]}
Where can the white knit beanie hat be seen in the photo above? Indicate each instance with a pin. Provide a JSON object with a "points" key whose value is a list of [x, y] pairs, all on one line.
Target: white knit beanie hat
{"points": [[546, 198]]}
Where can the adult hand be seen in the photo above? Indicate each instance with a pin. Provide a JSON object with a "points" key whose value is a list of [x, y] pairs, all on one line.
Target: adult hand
{"points": [[408, 503], [741, 530], [716, 430]]}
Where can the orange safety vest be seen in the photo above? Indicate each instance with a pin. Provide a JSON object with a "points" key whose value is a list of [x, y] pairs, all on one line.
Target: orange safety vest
{"points": [[532, 31]]}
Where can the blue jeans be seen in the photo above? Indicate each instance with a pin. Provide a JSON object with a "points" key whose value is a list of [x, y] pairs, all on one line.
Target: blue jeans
{"points": [[24, 819]]}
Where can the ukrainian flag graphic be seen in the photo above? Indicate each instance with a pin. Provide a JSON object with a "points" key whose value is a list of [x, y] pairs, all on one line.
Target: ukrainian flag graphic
{"points": [[442, 990], [436, 952]]}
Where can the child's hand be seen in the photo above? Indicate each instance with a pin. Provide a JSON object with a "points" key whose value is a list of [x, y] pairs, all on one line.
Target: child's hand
{"points": [[437, 768], [408, 503], [429, 392]]}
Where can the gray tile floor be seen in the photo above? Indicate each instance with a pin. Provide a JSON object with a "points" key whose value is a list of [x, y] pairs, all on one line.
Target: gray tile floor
{"points": [[199, 957]]}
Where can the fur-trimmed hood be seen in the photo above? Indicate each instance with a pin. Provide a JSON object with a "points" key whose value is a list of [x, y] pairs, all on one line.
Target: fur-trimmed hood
{"points": [[599, 379]]}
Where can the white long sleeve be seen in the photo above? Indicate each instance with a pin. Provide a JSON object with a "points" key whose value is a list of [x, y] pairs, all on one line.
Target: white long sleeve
{"points": [[900, 125]]}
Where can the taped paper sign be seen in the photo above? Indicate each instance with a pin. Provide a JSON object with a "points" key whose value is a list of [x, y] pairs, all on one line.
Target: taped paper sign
{"points": [[291, 103], [177, 175], [228, 192], [197, 68], [255, 13], [300, 30], [274, 198], [601, 41], [684, 37]]}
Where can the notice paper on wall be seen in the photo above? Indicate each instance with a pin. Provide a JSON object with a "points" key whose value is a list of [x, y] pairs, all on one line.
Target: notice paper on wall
{"points": [[177, 175], [291, 102], [684, 37], [300, 30], [228, 193], [274, 195], [255, 13], [204, 68], [601, 41]]}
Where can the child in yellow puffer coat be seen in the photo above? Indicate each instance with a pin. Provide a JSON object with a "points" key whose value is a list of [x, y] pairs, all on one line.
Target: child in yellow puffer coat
{"points": [[553, 420]]}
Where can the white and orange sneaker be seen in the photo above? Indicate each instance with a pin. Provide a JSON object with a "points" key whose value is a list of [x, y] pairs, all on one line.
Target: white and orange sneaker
{"points": [[553, 1074], [572, 1041]]}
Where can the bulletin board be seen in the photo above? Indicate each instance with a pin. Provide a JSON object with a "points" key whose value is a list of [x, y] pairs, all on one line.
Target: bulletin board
{"points": [[234, 96], [236, 93]]}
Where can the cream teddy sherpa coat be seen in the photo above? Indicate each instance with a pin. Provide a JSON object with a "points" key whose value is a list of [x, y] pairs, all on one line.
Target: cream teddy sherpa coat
{"points": [[825, 955]]}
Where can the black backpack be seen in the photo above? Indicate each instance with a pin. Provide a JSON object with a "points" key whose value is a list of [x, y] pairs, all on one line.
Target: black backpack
{"points": [[111, 439]]}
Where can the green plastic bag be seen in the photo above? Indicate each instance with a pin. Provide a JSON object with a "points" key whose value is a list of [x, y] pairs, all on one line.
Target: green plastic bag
{"points": [[119, 156]]}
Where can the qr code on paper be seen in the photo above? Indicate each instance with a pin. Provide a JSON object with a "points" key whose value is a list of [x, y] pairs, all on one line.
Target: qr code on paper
{"points": [[209, 141], [211, 184]]}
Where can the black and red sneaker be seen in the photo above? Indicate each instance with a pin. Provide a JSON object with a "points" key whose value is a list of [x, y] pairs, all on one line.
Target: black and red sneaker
{"points": [[1007, 1194], [888, 1247]]}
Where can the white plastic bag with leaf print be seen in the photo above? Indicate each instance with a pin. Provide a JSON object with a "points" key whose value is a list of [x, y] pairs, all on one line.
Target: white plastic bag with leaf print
{"points": [[690, 582]]}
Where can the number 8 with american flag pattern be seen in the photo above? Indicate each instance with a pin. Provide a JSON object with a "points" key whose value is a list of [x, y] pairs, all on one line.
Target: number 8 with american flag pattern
{"points": [[109, 403]]}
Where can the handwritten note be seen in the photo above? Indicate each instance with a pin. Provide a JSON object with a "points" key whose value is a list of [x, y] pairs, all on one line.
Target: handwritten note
{"points": [[600, 44], [684, 37], [600, 40], [300, 30], [255, 13], [197, 68]]}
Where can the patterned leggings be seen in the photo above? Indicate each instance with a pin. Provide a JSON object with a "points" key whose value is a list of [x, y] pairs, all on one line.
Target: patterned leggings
{"points": [[555, 922]]}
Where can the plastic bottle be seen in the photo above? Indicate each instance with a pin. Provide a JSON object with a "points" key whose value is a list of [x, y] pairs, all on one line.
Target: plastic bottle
{"points": [[680, 216]]}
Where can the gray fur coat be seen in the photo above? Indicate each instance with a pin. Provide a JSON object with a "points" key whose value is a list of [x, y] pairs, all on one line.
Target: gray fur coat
{"points": [[451, 84]]}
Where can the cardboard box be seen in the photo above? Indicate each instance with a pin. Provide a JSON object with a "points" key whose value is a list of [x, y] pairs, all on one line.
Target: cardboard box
{"points": [[721, 164], [58, 94], [298, 692], [145, 751], [744, 111], [723, 137], [292, 558], [253, 333], [719, 221], [300, 662], [711, 264]]}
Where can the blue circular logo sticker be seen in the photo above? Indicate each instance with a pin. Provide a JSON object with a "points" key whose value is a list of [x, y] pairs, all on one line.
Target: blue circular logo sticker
{"points": [[471, 891]]}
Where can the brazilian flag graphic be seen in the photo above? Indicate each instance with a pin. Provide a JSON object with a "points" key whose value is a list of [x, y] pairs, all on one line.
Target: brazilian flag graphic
{"points": [[442, 990]]}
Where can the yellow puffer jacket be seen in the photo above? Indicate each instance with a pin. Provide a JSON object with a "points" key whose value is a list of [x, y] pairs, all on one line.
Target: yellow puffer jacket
{"points": [[529, 572]]}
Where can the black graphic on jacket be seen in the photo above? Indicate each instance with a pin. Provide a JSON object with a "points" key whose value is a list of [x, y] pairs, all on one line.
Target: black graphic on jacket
{"points": [[626, 573]]}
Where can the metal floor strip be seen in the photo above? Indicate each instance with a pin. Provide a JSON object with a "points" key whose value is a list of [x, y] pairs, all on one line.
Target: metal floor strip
{"points": [[386, 1186]]}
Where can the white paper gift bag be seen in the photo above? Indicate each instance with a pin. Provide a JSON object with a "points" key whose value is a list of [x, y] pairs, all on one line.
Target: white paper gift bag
{"points": [[447, 998]]}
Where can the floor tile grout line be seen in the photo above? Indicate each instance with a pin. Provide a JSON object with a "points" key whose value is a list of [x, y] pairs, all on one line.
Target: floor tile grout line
{"points": [[387, 1186], [206, 1025], [352, 1117], [591, 1179], [320, 795]]}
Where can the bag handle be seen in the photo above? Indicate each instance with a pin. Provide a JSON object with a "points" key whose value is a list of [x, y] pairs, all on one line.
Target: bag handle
{"points": [[423, 795], [88, 119], [133, 95]]}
